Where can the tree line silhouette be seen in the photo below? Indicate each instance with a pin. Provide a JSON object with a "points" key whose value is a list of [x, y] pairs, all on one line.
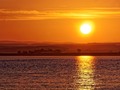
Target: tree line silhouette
{"points": [[43, 51]]}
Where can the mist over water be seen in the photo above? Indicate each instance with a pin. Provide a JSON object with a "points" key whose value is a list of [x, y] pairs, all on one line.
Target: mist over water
{"points": [[60, 73]]}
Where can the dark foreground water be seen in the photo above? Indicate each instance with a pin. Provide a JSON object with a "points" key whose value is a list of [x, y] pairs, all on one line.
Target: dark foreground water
{"points": [[60, 73]]}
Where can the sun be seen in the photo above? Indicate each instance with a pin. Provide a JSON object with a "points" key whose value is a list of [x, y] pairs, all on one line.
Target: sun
{"points": [[86, 28]]}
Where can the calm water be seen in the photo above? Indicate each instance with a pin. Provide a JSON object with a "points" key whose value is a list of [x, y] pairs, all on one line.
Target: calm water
{"points": [[60, 73]]}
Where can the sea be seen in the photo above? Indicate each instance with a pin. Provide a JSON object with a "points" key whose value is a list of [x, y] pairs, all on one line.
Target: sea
{"points": [[59, 72]]}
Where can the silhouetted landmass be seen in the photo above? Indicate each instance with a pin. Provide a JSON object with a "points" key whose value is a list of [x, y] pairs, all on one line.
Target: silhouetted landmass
{"points": [[52, 49], [60, 54]]}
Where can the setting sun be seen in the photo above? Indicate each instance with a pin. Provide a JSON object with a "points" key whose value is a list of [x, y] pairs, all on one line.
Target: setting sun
{"points": [[86, 28]]}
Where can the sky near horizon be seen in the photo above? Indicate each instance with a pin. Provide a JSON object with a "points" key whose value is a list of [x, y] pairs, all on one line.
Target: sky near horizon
{"points": [[59, 20]]}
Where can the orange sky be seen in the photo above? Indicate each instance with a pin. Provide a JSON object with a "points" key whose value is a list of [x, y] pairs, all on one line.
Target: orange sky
{"points": [[59, 20]]}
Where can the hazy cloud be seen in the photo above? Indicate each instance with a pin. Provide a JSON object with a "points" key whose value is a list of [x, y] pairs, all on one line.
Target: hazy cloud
{"points": [[59, 14]]}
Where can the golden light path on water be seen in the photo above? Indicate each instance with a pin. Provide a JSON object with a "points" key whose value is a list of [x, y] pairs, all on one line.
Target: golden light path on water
{"points": [[86, 72]]}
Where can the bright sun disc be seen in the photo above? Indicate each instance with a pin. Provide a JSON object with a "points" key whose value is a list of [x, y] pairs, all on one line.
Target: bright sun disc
{"points": [[86, 28]]}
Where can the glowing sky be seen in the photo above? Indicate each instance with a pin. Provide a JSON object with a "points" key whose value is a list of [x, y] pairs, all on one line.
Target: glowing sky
{"points": [[59, 20]]}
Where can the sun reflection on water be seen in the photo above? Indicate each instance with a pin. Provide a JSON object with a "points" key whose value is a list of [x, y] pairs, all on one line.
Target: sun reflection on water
{"points": [[86, 72]]}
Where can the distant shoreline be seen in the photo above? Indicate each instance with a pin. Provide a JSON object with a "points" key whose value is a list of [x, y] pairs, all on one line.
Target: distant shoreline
{"points": [[62, 54]]}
